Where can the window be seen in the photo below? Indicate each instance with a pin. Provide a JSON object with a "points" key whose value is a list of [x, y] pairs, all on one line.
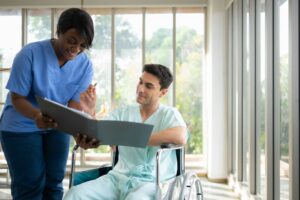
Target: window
{"points": [[159, 41], [190, 62], [246, 89], [125, 39], [39, 24], [281, 93], [101, 54], [261, 100], [269, 174], [128, 55], [8, 47]]}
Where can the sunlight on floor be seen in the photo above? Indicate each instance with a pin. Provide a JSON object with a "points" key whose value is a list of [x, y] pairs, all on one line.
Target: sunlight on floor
{"points": [[212, 191]]}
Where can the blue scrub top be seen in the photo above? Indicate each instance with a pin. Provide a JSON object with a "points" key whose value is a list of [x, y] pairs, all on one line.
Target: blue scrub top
{"points": [[36, 71]]}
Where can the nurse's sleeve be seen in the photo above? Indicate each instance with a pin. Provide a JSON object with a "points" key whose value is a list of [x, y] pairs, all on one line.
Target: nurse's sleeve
{"points": [[20, 79]]}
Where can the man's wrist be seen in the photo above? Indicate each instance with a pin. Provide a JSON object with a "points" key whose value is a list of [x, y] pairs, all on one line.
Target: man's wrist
{"points": [[91, 112]]}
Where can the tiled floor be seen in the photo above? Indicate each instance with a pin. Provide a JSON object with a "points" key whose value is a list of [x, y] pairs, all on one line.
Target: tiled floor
{"points": [[212, 191], [217, 191], [5, 191], [5, 194]]}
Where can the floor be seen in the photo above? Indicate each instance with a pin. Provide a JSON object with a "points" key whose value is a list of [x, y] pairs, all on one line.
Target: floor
{"points": [[217, 191], [212, 191]]}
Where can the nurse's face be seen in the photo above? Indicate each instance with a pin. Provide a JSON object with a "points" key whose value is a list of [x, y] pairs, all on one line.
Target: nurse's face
{"points": [[70, 44]]}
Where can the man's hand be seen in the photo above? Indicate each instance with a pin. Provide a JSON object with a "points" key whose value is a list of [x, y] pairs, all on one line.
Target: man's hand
{"points": [[88, 100], [85, 142]]}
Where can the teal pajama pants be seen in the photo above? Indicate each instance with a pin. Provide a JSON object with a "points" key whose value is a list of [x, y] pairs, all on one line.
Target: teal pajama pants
{"points": [[113, 187]]}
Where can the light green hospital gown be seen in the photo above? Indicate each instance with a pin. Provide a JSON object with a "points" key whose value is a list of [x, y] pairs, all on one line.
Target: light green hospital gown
{"points": [[133, 177]]}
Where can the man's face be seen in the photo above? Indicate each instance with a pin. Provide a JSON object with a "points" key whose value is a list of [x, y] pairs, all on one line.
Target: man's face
{"points": [[148, 90]]}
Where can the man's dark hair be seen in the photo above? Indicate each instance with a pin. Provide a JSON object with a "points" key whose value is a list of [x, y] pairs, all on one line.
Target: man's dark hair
{"points": [[161, 72], [78, 19]]}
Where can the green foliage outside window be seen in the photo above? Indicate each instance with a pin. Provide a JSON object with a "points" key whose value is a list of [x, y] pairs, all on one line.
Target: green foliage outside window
{"points": [[188, 77], [39, 26]]}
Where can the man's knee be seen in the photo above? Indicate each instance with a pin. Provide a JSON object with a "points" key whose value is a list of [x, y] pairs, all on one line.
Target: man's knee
{"points": [[146, 191], [73, 194]]}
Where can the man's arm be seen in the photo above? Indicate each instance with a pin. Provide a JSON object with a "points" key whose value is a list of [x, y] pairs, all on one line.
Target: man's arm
{"points": [[87, 104], [87, 101], [176, 135]]}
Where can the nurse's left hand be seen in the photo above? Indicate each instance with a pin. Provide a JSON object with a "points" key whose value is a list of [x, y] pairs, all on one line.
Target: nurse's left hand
{"points": [[44, 122]]}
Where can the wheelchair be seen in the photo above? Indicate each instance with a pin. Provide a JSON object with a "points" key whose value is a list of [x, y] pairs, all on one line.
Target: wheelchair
{"points": [[184, 186]]}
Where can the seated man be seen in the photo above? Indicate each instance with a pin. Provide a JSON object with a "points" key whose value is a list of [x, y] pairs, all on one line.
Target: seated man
{"points": [[133, 177]]}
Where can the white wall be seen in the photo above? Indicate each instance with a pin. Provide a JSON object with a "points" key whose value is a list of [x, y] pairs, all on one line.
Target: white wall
{"points": [[214, 103]]}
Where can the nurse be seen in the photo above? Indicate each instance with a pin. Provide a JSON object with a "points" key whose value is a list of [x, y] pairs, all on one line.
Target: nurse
{"points": [[57, 69]]}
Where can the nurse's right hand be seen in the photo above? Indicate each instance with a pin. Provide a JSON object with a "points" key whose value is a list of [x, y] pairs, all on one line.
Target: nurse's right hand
{"points": [[86, 142], [44, 122]]}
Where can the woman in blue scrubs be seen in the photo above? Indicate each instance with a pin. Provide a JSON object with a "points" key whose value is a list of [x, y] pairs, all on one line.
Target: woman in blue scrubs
{"points": [[57, 69]]}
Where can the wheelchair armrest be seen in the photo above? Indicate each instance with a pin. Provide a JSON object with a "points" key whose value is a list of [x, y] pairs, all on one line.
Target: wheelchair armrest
{"points": [[89, 174], [171, 146], [179, 156]]}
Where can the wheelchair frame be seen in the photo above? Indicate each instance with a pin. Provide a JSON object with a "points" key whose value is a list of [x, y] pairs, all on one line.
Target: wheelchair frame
{"points": [[189, 181]]}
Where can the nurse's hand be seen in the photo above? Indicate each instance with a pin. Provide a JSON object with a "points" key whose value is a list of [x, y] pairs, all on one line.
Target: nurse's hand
{"points": [[44, 122], [85, 142]]}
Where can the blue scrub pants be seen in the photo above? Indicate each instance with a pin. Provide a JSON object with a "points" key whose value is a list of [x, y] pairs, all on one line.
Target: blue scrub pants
{"points": [[37, 163]]}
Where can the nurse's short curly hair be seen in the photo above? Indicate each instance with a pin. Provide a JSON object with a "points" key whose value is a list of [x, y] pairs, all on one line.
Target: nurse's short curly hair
{"points": [[78, 19], [162, 72]]}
